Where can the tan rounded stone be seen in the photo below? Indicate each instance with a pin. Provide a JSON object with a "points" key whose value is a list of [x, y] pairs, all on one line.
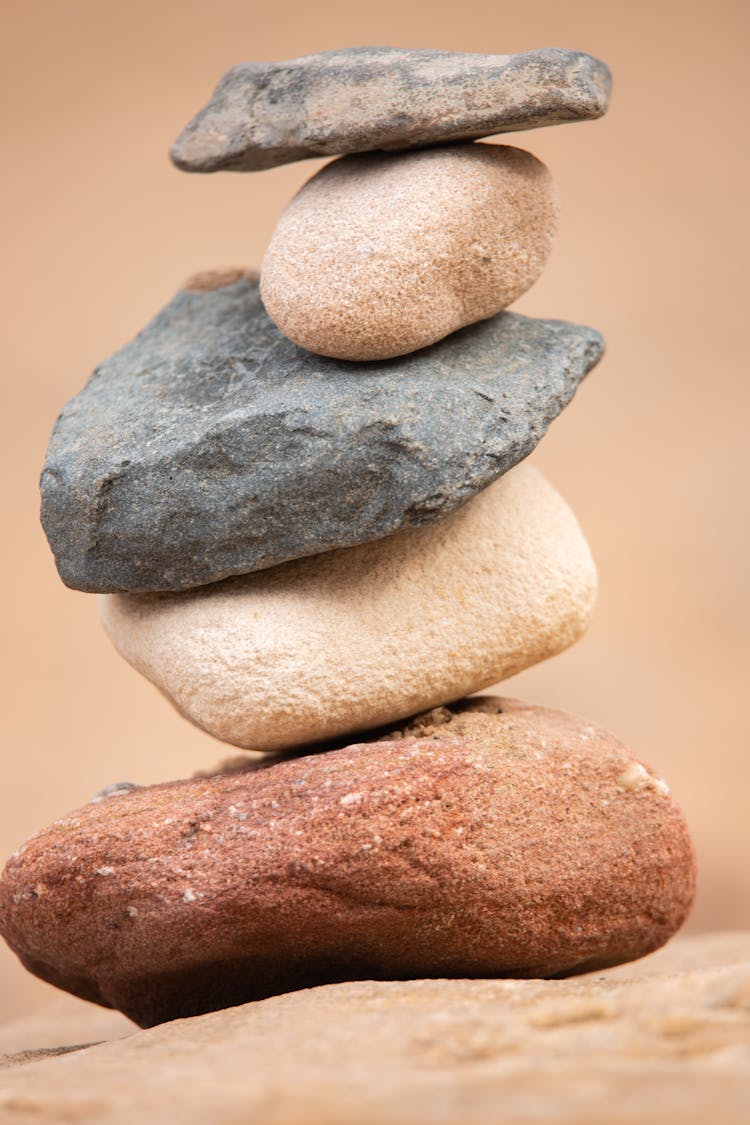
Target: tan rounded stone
{"points": [[490, 838], [379, 255], [351, 639]]}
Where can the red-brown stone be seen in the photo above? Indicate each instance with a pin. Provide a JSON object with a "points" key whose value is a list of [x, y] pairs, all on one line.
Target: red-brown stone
{"points": [[486, 839]]}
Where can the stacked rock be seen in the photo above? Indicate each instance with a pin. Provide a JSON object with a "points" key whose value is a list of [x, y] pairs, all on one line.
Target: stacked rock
{"points": [[302, 502]]}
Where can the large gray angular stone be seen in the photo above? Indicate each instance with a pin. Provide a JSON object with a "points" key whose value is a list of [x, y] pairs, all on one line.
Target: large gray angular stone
{"points": [[211, 445], [365, 98]]}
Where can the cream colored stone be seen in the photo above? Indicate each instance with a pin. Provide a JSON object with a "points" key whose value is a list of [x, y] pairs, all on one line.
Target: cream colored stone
{"points": [[379, 255], [350, 639]]}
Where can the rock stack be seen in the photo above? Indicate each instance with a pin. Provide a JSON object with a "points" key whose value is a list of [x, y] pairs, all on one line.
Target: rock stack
{"points": [[301, 501]]}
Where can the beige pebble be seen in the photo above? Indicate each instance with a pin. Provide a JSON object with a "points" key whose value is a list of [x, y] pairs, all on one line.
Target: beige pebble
{"points": [[350, 639], [379, 255]]}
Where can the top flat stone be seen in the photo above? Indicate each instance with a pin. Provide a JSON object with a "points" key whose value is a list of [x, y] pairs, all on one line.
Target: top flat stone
{"points": [[361, 99]]}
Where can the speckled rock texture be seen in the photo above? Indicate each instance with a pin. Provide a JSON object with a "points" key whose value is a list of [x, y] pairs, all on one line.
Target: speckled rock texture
{"points": [[380, 255], [351, 639], [212, 446], [487, 839], [365, 98]]}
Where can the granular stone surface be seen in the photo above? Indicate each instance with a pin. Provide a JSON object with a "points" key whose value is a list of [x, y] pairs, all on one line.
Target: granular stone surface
{"points": [[487, 839], [380, 255], [351, 639]]}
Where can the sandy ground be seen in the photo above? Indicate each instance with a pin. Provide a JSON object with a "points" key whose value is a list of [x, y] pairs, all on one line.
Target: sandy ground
{"points": [[667, 1036], [652, 455]]}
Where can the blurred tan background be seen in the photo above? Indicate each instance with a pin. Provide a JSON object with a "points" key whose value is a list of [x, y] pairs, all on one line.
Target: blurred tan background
{"points": [[652, 454]]}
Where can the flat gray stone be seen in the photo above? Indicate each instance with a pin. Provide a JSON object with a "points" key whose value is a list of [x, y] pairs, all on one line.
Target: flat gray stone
{"points": [[211, 445], [365, 98]]}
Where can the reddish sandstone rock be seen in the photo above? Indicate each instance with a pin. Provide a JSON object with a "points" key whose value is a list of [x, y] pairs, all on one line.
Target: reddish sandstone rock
{"points": [[490, 838]]}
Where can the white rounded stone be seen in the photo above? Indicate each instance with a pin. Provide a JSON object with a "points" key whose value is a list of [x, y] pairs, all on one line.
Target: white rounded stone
{"points": [[355, 638]]}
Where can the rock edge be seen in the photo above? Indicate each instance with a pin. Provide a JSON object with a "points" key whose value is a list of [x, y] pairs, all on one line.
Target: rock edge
{"points": [[363, 99]]}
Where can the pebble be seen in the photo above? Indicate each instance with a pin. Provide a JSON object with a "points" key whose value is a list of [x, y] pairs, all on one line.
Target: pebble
{"points": [[211, 445], [380, 255], [359, 99], [351, 639], [489, 838]]}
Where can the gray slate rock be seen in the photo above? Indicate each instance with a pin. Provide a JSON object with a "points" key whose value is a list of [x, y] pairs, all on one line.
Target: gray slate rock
{"points": [[365, 98], [212, 445]]}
